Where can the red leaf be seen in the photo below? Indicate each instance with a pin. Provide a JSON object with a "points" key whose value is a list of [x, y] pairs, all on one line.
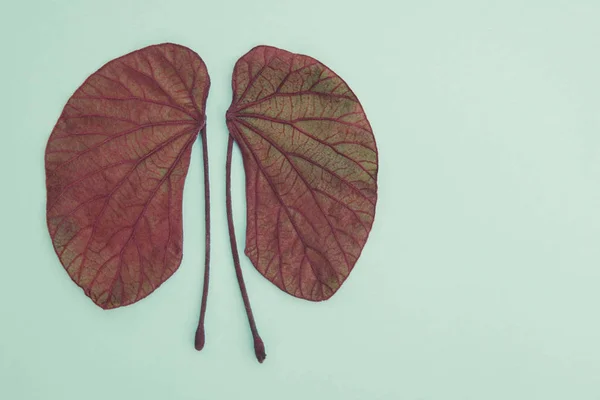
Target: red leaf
{"points": [[116, 163], [311, 170]]}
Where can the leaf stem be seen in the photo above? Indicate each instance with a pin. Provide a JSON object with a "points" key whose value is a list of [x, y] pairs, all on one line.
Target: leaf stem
{"points": [[200, 339], [259, 347]]}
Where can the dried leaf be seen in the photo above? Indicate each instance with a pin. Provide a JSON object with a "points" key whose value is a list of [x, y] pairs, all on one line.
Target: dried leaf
{"points": [[116, 164], [311, 170]]}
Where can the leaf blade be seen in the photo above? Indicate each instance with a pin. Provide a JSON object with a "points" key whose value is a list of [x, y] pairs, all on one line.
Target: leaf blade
{"points": [[116, 163], [311, 170]]}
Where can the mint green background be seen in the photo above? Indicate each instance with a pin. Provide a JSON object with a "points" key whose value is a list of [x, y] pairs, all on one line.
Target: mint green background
{"points": [[481, 276]]}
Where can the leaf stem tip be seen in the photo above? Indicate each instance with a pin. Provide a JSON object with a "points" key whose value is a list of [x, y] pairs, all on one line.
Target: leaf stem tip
{"points": [[199, 341], [259, 349]]}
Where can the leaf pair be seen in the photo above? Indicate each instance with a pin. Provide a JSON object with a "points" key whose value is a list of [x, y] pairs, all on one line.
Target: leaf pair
{"points": [[118, 156]]}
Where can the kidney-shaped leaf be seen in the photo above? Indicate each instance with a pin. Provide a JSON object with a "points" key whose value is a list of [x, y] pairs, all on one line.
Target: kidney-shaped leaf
{"points": [[116, 163], [311, 170]]}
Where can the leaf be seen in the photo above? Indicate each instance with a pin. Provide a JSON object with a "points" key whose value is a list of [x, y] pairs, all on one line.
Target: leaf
{"points": [[116, 164], [311, 170]]}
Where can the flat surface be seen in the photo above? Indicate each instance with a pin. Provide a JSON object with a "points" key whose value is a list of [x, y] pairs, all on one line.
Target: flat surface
{"points": [[480, 277]]}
